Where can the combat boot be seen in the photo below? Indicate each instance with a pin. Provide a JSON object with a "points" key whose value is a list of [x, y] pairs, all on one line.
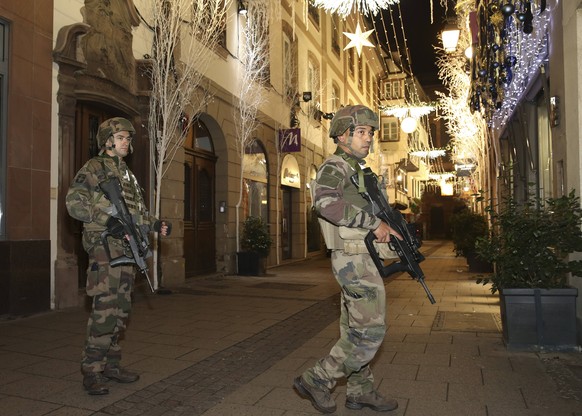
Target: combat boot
{"points": [[121, 375], [373, 400], [94, 383], [320, 396]]}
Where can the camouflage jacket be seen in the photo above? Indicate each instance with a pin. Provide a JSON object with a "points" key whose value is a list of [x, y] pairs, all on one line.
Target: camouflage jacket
{"points": [[336, 198], [86, 201]]}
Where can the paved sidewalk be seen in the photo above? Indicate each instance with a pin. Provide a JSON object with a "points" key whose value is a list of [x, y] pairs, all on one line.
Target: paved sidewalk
{"points": [[231, 345]]}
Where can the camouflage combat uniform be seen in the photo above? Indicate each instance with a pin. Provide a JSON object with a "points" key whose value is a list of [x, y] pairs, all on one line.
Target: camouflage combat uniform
{"points": [[110, 287], [363, 301]]}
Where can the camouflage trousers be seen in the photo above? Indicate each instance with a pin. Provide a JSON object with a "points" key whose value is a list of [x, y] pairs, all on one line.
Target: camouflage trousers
{"points": [[362, 325], [111, 289]]}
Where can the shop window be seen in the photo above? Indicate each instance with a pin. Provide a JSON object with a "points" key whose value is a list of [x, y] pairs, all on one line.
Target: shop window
{"points": [[255, 183]]}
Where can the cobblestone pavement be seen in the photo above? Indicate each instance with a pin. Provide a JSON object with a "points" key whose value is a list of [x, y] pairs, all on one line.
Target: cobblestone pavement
{"points": [[231, 345]]}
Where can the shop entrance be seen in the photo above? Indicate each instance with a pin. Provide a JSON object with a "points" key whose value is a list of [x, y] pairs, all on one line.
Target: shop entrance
{"points": [[286, 223]]}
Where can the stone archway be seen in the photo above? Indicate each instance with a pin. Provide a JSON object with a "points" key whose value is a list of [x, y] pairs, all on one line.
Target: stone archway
{"points": [[96, 70]]}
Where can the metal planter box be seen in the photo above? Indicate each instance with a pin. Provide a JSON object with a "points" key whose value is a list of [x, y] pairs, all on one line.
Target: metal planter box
{"points": [[250, 263], [539, 319]]}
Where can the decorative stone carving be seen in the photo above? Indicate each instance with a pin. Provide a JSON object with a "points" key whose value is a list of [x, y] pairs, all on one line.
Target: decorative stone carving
{"points": [[107, 45]]}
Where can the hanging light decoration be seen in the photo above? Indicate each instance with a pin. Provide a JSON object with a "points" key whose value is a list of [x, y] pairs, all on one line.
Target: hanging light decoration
{"points": [[359, 39], [346, 7], [450, 36], [408, 124], [431, 154], [401, 111]]}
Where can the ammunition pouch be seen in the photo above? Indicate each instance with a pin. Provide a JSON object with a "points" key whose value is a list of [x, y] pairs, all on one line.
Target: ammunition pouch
{"points": [[351, 240], [354, 243]]}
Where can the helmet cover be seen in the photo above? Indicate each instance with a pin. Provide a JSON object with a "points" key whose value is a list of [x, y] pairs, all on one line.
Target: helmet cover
{"points": [[112, 126], [352, 116]]}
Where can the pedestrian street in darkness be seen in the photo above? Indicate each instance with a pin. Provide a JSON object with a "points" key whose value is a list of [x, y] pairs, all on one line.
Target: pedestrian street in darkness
{"points": [[232, 345]]}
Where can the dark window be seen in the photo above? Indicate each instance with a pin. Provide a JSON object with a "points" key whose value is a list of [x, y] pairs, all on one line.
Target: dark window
{"points": [[351, 61], [202, 139], [335, 34], [313, 13]]}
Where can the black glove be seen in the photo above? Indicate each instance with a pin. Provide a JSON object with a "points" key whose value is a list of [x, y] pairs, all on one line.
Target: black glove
{"points": [[158, 226], [115, 227]]}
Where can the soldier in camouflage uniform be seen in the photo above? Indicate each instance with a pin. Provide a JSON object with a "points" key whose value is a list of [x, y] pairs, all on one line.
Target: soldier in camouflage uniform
{"points": [[363, 303], [110, 287]]}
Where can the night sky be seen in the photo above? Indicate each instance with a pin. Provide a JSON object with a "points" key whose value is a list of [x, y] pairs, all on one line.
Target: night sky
{"points": [[421, 35]]}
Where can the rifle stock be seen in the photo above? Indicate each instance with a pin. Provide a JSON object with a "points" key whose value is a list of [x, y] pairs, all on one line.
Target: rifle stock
{"points": [[406, 249], [135, 236]]}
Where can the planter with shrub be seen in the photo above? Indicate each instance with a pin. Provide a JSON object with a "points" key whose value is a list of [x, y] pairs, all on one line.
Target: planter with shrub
{"points": [[529, 244]]}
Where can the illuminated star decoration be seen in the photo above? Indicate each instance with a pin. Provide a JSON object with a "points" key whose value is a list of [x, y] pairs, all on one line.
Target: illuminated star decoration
{"points": [[358, 39]]}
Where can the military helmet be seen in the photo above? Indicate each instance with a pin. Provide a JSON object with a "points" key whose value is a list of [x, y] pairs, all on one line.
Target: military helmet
{"points": [[350, 117], [111, 126]]}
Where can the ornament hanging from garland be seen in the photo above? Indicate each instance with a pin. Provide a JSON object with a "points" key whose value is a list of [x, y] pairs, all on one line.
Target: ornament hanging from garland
{"points": [[504, 30]]}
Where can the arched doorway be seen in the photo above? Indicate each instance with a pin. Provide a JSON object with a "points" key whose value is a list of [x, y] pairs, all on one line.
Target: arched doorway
{"points": [[199, 189]]}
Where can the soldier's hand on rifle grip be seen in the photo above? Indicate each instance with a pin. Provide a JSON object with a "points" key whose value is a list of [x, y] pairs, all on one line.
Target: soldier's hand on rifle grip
{"points": [[384, 231], [163, 227], [115, 227]]}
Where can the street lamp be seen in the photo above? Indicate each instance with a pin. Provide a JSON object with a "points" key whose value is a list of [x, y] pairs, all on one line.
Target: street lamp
{"points": [[242, 8], [450, 36]]}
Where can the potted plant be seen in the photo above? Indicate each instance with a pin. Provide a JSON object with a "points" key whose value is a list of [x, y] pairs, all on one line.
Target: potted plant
{"points": [[466, 227], [256, 244], [529, 244]]}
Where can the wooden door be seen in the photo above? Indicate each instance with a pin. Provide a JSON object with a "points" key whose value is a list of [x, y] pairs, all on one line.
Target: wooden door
{"points": [[87, 121], [199, 221]]}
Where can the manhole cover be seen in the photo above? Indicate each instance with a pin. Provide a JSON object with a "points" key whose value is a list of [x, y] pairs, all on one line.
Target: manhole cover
{"points": [[467, 322], [283, 286]]}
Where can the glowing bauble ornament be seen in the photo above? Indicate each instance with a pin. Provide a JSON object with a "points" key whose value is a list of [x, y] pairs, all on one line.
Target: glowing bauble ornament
{"points": [[507, 9], [408, 124]]}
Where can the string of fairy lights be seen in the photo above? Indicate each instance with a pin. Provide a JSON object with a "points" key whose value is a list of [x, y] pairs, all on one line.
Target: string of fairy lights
{"points": [[413, 111], [509, 52], [530, 51], [514, 44]]}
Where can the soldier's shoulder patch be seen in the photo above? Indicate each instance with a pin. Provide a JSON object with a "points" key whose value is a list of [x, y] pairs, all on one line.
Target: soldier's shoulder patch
{"points": [[80, 178], [330, 176]]}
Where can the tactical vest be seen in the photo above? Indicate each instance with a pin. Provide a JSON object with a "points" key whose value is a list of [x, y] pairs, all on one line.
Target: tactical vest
{"points": [[130, 188], [350, 239]]}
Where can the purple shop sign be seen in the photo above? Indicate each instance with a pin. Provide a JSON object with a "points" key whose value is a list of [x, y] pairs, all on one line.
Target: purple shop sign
{"points": [[290, 140]]}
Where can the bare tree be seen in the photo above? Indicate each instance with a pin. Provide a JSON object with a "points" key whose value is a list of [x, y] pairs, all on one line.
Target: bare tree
{"points": [[185, 34], [252, 77]]}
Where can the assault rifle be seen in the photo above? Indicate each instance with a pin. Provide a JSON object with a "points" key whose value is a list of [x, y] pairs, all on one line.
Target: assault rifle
{"points": [[407, 248], [135, 236]]}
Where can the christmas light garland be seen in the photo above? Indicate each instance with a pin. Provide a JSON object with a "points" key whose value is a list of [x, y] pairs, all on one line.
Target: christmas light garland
{"points": [[345, 7]]}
